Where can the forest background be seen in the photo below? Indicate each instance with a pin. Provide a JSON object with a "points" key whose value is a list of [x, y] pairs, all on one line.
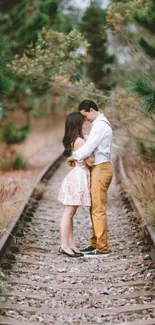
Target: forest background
{"points": [[52, 56]]}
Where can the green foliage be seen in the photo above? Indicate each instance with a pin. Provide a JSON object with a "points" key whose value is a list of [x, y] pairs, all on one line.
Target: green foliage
{"points": [[147, 19], [35, 24], [19, 163], [93, 27], [5, 86], [6, 83], [141, 86], [26, 20], [148, 48], [66, 22], [4, 111], [123, 13], [142, 148], [5, 80], [4, 50], [122, 1], [53, 56], [12, 160], [49, 7], [46, 60], [13, 135], [146, 151]]}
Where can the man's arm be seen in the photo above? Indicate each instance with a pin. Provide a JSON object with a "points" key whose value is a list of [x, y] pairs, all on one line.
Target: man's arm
{"points": [[95, 137]]}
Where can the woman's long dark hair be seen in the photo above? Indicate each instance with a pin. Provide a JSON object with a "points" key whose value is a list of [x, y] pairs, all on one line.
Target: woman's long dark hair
{"points": [[73, 130]]}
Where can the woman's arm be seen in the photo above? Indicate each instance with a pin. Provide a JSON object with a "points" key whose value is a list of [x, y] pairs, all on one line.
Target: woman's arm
{"points": [[78, 144]]}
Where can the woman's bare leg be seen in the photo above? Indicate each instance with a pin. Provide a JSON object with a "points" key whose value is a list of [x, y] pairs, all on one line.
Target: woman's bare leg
{"points": [[66, 222], [72, 244]]}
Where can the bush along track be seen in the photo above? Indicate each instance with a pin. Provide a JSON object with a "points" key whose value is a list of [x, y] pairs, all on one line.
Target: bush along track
{"points": [[131, 202]]}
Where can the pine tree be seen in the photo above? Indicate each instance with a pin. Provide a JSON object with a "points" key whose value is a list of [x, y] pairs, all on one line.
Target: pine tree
{"points": [[93, 27], [68, 19], [142, 83], [5, 74], [26, 19], [147, 22]]}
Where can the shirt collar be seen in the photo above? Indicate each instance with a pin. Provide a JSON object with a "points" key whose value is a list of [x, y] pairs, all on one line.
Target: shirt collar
{"points": [[98, 118]]}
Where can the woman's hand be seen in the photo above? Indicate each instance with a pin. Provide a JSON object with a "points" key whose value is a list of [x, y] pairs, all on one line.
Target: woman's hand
{"points": [[71, 161], [85, 137]]}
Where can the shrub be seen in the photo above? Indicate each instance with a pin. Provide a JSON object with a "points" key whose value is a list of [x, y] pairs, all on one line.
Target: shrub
{"points": [[146, 151], [13, 135], [11, 160], [19, 163], [142, 183], [10, 196]]}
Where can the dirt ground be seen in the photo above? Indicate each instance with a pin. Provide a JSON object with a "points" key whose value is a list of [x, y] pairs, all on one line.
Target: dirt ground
{"points": [[43, 145]]}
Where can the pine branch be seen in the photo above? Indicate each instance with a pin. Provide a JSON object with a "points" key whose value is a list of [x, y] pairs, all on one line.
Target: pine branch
{"points": [[146, 20], [142, 87], [136, 49], [4, 111], [148, 49], [5, 86], [5, 45]]}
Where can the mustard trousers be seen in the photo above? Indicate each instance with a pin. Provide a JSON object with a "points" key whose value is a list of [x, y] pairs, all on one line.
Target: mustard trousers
{"points": [[101, 176]]}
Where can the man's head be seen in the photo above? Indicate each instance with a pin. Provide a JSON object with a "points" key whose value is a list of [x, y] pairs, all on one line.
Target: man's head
{"points": [[89, 110]]}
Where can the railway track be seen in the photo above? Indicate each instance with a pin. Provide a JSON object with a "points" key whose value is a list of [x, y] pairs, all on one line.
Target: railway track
{"points": [[45, 287]]}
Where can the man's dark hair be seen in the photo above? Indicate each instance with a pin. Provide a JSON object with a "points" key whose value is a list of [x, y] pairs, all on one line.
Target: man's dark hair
{"points": [[86, 105]]}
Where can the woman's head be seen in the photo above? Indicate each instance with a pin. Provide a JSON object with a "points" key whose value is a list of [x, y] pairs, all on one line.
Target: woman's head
{"points": [[73, 130]]}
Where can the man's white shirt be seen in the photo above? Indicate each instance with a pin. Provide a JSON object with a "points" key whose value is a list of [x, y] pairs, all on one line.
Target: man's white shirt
{"points": [[99, 142]]}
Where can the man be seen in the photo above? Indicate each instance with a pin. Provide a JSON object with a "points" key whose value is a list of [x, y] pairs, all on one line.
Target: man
{"points": [[99, 142]]}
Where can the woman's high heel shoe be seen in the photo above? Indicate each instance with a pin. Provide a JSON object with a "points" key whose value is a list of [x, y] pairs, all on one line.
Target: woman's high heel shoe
{"points": [[62, 251], [78, 253]]}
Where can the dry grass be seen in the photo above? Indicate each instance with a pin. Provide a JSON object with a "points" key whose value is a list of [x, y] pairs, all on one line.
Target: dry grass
{"points": [[10, 197], [7, 158], [42, 146], [142, 183], [3, 284], [130, 125], [39, 190]]}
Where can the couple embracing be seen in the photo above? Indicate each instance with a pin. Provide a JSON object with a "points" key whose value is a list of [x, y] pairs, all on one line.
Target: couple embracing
{"points": [[88, 181]]}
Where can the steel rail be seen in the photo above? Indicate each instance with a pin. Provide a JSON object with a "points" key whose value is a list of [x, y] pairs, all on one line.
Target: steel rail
{"points": [[147, 231], [7, 235]]}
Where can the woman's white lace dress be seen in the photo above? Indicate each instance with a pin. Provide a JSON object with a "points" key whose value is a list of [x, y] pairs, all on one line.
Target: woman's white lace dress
{"points": [[75, 189]]}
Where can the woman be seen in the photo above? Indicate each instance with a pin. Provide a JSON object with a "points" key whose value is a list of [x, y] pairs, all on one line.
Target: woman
{"points": [[75, 189]]}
